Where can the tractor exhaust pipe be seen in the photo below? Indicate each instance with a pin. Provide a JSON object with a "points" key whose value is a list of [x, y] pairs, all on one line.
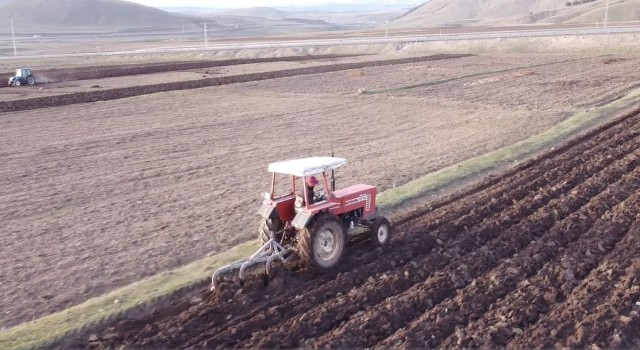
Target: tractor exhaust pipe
{"points": [[333, 176]]}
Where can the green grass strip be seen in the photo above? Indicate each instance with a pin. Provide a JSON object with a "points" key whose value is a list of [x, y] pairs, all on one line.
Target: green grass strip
{"points": [[442, 81], [46, 330], [396, 196]]}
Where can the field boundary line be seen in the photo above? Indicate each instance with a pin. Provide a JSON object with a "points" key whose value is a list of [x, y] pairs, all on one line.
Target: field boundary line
{"points": [[52, 328]]}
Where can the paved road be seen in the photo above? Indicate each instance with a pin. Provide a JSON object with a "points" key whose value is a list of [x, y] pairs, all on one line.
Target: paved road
{"points": [[366, 40]]}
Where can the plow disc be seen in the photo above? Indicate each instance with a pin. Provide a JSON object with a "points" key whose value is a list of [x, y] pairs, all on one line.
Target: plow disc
{"points": [[261, 261]]}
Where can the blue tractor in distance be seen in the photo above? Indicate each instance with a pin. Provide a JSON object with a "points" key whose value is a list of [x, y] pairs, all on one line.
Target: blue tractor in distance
{"points": [[23, 76]]}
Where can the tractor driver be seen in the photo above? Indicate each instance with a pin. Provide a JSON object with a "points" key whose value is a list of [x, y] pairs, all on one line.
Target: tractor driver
{"points": [[311, 183]]}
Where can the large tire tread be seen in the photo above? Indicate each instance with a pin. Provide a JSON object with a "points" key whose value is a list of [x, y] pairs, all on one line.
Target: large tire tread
{"points": [[266, 227], [305, 241]]}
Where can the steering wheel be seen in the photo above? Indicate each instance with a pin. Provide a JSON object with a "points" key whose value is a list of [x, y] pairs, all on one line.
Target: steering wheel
{"points": [[319, 196]]}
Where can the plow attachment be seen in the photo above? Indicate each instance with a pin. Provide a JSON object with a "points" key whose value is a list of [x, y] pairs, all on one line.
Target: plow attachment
{"points": [[262, 259]]}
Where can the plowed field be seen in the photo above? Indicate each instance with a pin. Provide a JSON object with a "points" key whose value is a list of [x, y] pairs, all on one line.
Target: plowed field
{"points": [[546, 255], [155, 173]]}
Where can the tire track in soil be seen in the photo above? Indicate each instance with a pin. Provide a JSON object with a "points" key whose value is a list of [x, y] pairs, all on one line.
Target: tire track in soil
{"points": [[594, 221], [381, 321], [251, 306], [376, 292], [357, 276], [599, 297], [342, 288], [114, 94]]}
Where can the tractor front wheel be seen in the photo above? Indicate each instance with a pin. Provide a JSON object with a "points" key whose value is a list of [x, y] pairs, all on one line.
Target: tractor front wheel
{"points": [[322, 244], [17, 83], [381, 231]]}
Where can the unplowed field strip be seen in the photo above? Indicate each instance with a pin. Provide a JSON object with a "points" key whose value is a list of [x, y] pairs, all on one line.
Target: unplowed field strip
{"points": [[113, 94], [544, 252]]}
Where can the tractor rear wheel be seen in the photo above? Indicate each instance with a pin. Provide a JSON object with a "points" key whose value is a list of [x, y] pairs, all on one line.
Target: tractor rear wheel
{"points": [[321, 245], [381, 231], [31, 81], [268, 228]]}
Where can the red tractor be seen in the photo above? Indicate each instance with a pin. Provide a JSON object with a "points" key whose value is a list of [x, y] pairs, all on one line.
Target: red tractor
{"points": [[315, 230]]}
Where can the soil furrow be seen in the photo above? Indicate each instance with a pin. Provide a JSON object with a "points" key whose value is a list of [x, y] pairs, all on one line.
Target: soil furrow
{"points": [[375, 325], [487, 291], [591, 297], [618, 319], [626, 323]]}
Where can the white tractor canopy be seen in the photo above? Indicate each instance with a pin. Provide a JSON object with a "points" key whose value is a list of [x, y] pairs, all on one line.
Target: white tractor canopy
{"points": [[23, 72], [307, 166]]}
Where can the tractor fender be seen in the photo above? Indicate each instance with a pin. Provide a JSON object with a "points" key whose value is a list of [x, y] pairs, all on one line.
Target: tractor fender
{"points": [[267, 211], [301, 220]]}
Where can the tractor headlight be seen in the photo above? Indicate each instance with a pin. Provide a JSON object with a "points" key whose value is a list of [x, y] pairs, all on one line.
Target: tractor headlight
{"points": [[299, 201], [266, 196]]}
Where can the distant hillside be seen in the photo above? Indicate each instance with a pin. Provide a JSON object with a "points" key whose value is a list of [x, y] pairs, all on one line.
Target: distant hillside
{"points": [[509, 12], [256, 26], [439, 12], [351, 19], [619, 11], [85, 14], [260, 12]]}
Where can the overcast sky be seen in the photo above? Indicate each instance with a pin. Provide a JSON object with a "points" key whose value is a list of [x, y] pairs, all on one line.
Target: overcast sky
{"points": [[266, 3]]}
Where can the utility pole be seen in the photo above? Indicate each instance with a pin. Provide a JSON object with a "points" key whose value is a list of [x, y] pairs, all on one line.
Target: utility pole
{"points": [[386, 29], [13, 35], [606, 14], [206, 37]]}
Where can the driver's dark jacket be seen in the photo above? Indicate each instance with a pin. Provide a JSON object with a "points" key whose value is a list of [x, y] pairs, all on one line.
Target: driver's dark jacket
{"points": [[310, 194]]}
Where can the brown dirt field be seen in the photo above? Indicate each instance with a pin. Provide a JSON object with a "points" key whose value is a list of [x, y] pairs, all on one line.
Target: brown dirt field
{"points": [[131, 91], [98, 195], [544, 256], [53, 82]]}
